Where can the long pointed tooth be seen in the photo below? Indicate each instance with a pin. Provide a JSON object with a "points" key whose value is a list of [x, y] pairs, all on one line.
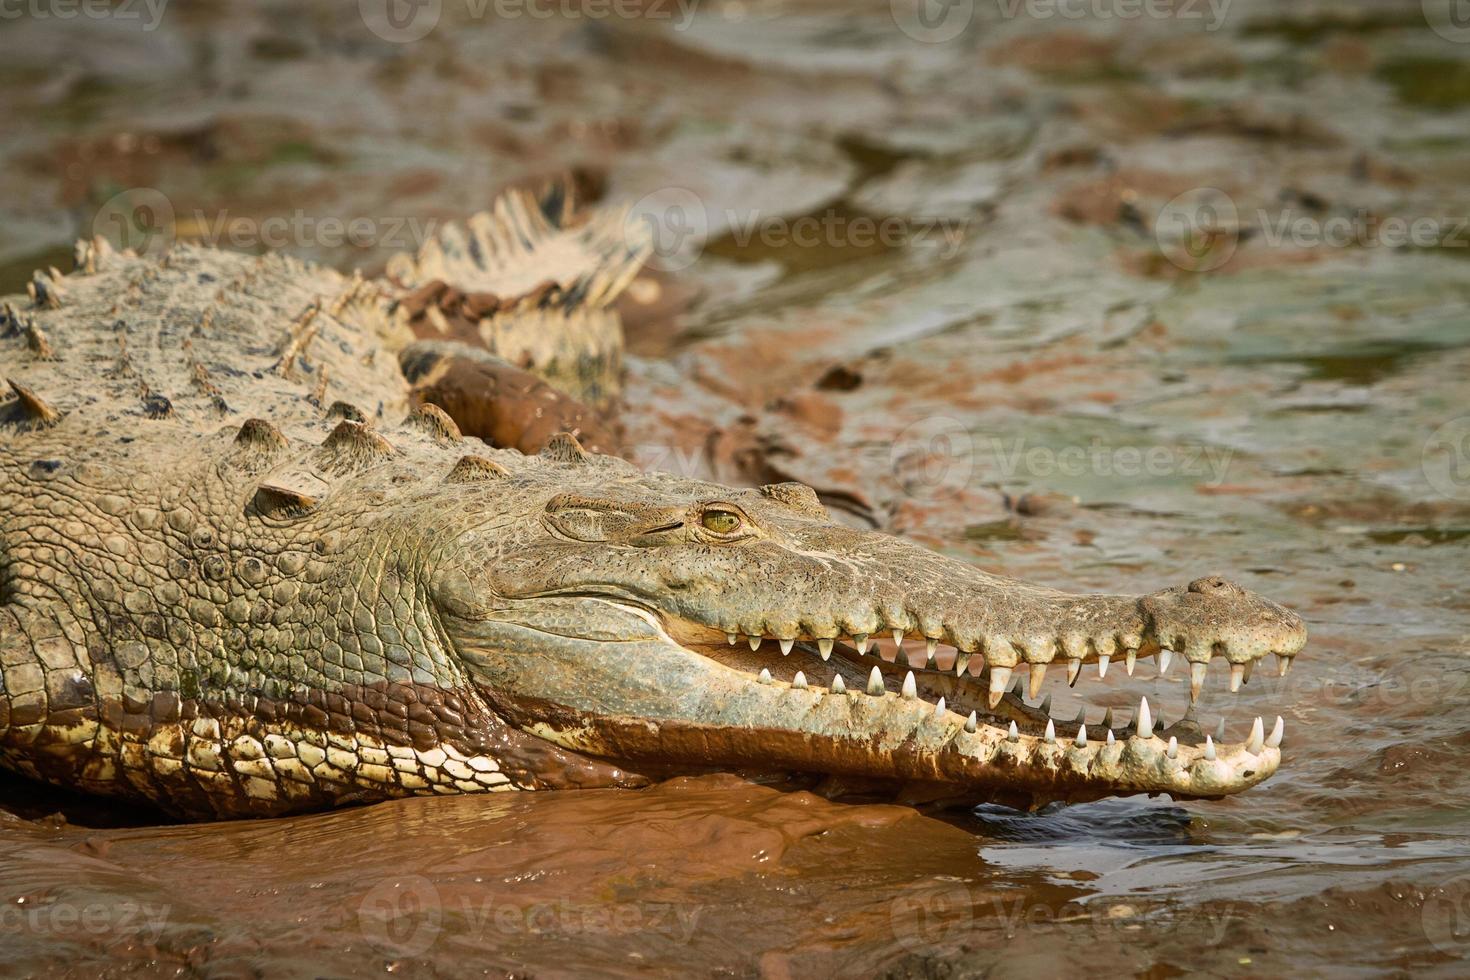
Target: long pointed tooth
{"points": [[839, 686], [930, 645], [1220, 729], [1000, 678], [1046, 705], [765, 677], [1273, 740], [1130, 661], [1111, 739], [1051, 731], [824, 647], [961, 663], [1102, 665], [972, 723], [910, 690], [1012, 734], [1145, 720], [1257, 739], [1209, 749], [786, 646], [1107, 721], [1172, 751], [1016, 687], [1166, 656], [898, 638], [860, 640], [755, 642], [1250, 668], [939, 707], [1038, 674], [1074, 670], [1283, 664], [799, 681], [732, 638], [875, 682], [1197, 674], [1082, 736], [1237, 677]]}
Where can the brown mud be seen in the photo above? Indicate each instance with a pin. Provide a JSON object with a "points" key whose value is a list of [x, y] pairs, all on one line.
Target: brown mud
{"points": [[1104, 302]]}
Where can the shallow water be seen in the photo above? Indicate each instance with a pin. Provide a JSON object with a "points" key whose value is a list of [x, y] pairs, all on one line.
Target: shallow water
{"points": [[1039, 374]]}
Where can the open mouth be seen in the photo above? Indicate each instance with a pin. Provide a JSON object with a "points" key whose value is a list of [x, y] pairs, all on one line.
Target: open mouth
{"points": [[948, 703]]}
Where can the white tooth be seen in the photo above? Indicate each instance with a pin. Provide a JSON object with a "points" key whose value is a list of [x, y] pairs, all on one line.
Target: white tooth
{"points": [[1082, 737], [939, 708], [972, 723], [824, 647], [1111, 740], [732, 638], [765, 677], [1283, 664], [1197, 674], [860, 640], [1107, 721], [930, 645], [1016, 687], [875, 682], [1000, 677], [1173, 750], [786, 646], [1145, 720], [799, 681], [1074, 670], [1165, 657], [961, 663], [755, 642], [1273, 740], [1237, 677], [839, 686], [1012, 734], [1102, 665], [910, 690], [898, 638], [1220, 729], [1038, 674], [1051, 731], [1046, 705], [1258, 737], [1250, 668], [1130, 662], [1209, 749]]}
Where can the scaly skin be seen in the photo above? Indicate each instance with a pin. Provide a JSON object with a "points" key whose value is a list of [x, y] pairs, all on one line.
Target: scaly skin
{"points": [[241, 575]]}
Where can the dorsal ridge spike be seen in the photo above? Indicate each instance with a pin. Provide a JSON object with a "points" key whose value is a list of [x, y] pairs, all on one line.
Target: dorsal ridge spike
{"points": [[33, 408], [435, 422], [353, 446], [564, 448], [260, 435], [473, 469]]}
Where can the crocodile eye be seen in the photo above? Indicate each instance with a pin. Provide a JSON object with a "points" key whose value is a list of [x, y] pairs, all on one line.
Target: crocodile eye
{"points": [[721, 521]]}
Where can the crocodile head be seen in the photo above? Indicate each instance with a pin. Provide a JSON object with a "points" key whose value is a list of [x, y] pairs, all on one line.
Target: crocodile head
{"points": [[670, 625]]}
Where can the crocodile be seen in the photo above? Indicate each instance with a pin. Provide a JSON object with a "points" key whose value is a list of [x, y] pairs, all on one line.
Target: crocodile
{"points": [[248, 567]]}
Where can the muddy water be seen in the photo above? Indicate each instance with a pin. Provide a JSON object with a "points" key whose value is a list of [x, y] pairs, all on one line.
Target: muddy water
{"points": [[1108, 303]]}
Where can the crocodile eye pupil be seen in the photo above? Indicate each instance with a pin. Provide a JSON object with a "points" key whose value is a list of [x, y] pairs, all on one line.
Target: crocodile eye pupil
{"points": [[721, 521]]}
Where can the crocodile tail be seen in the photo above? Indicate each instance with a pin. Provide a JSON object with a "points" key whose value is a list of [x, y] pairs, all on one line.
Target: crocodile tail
{"points": [[533, 281]]}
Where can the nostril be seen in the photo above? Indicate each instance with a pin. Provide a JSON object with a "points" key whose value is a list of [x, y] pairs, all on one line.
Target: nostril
{"points": [[1215, 585]]}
